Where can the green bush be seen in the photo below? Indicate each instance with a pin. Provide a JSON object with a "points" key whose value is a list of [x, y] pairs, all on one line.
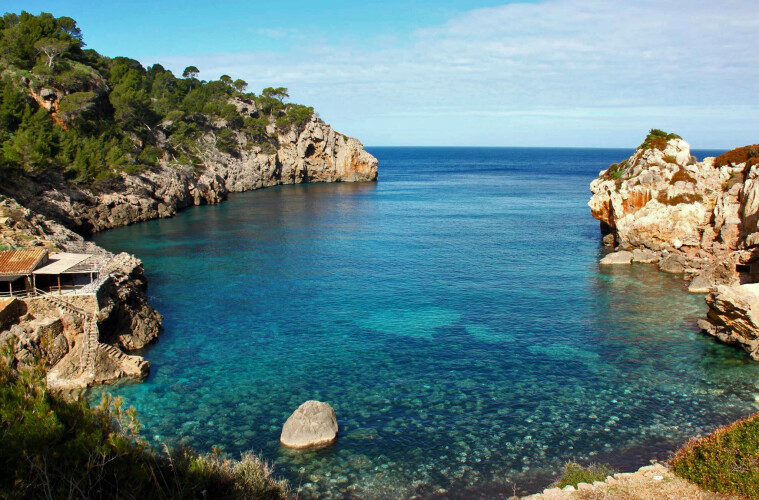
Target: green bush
{"points": [[726, 461], [615, 170], [657, 139], [575, 473], [53, 448]]}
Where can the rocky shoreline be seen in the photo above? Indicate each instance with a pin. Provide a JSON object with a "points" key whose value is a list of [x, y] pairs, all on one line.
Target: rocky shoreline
{"points": [[696, 218], [45, 211]]}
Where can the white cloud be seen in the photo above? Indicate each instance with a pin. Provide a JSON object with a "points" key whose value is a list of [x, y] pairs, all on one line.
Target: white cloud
{"points": [[555, 57]]}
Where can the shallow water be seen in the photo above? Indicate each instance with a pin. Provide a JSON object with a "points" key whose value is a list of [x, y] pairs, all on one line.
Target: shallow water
{"points": [[454, 314]]}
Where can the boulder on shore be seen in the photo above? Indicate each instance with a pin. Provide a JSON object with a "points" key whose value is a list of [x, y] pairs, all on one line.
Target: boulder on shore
{"points": [[621, 257], [313, 424]]}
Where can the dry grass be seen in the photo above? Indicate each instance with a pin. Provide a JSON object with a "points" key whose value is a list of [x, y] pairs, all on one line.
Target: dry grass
{"points": [[737, 156], [687, 198], [674, 489], [682, 175]]}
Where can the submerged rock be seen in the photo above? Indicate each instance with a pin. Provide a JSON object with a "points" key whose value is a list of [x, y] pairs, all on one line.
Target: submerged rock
{"points": [[313, 424]]}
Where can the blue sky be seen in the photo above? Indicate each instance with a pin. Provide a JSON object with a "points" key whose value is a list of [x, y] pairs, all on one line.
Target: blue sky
{"points": [[465, 73]]}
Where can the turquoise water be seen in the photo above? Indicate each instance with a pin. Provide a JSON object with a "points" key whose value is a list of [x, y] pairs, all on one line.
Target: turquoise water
{"points": [[453, 313]]}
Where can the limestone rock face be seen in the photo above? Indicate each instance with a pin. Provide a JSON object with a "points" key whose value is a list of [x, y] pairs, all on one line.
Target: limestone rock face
{"points": [[313, 424], [657, 199], [733, 316], [314, 152]]}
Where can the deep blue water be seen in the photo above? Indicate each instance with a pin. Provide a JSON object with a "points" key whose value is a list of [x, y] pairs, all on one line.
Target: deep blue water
{"points": [[453, 313]]}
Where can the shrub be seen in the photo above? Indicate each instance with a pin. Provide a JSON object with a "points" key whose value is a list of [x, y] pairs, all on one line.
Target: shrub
{"points": [[657, 139], [686, 198], [53, 448], [726, 461], [615, 170], [682, 175], [746, 154], [575, 473]]}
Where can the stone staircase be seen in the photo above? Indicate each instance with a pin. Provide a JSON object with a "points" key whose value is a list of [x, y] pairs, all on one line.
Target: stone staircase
{"points": [[91, 333], [123, 364], [131, 365]]}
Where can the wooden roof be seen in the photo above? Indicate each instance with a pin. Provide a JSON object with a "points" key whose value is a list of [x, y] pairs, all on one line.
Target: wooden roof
{"points": [[21, 262]]}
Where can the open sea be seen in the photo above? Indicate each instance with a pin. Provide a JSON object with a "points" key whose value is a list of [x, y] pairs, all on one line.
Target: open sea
{"points": [[453, 313]]}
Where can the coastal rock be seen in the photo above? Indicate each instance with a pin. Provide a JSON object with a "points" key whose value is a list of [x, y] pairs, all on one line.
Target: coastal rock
{"points": [[673, 263], [644, 256], [656, 199], [621, 257], [313, 424], [126, 316], [720, 272], [733, 316], [702, 218]]}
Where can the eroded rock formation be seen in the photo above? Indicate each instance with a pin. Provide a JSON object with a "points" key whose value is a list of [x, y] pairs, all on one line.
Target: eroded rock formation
{"points": [[693, 218]]}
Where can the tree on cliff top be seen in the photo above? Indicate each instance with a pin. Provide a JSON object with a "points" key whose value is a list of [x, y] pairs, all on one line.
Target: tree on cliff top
{"points": [[190, 72]]}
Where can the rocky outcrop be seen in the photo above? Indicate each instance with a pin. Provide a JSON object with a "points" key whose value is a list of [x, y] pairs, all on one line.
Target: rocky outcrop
{"points": [[313, 424], [313, 152], [734, 316], [126, 317], [699, 219]]}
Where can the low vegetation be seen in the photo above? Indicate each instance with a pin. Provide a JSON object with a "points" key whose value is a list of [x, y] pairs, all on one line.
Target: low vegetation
{"points": [[70, 110], [657, 139], [53, 448], [616, 170], [686, 198], [575, 474], [726, 461], [682, 175], [746, 154]]}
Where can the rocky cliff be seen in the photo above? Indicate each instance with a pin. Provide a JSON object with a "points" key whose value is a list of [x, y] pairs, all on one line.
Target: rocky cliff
{"points": [[698, 218], [311, 153]]}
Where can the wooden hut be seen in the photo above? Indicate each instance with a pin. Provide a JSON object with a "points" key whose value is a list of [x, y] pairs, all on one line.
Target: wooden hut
{"points": [[17, 270]]}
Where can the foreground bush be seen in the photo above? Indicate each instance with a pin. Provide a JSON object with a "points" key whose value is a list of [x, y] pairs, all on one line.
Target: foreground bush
{"points": [[52, 448], [575, 474], [726, 461]]}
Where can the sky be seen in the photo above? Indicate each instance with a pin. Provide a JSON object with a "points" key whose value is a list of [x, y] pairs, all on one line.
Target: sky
{"points": [[565, 73]]}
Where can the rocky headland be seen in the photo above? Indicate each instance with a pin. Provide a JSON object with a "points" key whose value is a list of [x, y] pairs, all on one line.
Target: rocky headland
{"points": [[311, 153], [662, 206]]}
